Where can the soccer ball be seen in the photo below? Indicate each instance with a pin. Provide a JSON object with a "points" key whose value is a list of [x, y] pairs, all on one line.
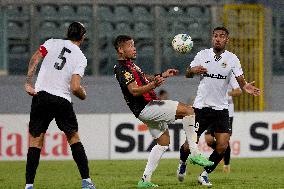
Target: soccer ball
{"points": [[182, 43]]}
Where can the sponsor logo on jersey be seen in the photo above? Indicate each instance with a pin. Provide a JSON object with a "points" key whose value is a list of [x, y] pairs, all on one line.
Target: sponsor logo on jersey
{"points": [[217, 76], [128, 77], [224, 65]]}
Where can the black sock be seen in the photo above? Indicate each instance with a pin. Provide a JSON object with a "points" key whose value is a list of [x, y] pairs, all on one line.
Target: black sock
{"points": [[227, 155], [213, 145], [79, 156], [184, 153], [216, 158], [33, 157]]}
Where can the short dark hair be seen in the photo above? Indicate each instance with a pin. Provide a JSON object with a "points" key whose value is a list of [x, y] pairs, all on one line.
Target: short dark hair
{"points": [[221, 28], [120, 39], [76, 31]]}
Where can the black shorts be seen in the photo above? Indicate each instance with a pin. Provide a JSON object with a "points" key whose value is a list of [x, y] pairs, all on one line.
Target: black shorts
{"points": [[45, 107], [216, 120], [210, 130]]}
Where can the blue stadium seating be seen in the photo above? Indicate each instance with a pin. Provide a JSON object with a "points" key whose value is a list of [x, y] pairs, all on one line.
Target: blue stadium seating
{"points": [[17, 30], [106, 30], [143, 30], [85, 11], [105, 13], [49, 12], [17, 12], [122, 14], [18, 49], [50, 30], [140, 13], [123, 28], [67, 12]]}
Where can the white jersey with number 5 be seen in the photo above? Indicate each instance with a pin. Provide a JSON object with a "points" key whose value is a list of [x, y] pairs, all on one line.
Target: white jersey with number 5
{"points": [[62, 59], [213, 86]]}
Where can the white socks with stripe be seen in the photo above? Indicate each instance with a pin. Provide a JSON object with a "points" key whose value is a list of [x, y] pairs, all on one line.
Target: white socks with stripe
{"points": [[153, 160], [28, 185], [188, 126]]}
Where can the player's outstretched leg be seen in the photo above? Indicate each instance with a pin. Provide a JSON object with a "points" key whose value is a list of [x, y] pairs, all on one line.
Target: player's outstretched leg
{"points": [[199, 159], [186, 112], [195, 157]]}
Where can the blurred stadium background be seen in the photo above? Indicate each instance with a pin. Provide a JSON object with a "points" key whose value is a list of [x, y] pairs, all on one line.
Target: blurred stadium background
{"points": [[257, 38]]}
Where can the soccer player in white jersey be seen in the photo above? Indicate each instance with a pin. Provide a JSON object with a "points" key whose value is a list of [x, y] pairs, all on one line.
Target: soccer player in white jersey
{"points": [[233, 91], [61, 70], [215, 67]]}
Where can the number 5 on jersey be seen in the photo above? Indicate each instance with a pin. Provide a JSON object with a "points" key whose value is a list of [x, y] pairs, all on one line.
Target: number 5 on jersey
{"points": [[59, 66]]}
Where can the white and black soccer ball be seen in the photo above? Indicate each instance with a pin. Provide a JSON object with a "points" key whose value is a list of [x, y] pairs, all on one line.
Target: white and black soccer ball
{"points": [[182, 43]]}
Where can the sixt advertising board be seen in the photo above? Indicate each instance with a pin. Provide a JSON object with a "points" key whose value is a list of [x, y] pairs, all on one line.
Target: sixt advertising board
{"points": [[254, 135]]}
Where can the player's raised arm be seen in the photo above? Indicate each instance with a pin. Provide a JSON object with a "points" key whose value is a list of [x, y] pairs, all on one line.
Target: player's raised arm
{"points": [[248, 87], [168, 73], [195, 66], [136, 90], [191, 71]]}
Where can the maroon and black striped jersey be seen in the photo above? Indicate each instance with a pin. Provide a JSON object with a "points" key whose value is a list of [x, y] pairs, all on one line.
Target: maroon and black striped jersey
{"points": [[127, 72]]}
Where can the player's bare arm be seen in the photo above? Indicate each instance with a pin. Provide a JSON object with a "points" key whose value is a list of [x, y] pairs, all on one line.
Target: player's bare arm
{"points": [[191, 71], [136, 90], [235, 92], [248, 87], [168, 73], [36, 58], [76, 87]]}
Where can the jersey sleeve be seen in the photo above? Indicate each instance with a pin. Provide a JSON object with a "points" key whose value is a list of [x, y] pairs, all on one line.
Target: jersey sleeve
{"points": [[237, 68], [80, 67], [233, 82], [197, 60], [124, 76], [47, 44]]}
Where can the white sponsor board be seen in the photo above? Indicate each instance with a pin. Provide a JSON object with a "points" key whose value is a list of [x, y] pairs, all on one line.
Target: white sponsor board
{"points": [[259, 134], [131, 139], [254, 135], [122, 136], [93, 130]]}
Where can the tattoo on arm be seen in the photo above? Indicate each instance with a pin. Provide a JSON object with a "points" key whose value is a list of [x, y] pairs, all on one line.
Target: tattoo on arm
{"points": [[36, 58]]}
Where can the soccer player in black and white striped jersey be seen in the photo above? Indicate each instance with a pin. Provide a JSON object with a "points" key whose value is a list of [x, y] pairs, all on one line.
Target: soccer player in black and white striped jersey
{"points": [[215, 67]]}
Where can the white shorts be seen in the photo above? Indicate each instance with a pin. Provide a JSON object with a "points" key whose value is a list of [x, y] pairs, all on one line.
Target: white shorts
{"points": [[157, 114]]}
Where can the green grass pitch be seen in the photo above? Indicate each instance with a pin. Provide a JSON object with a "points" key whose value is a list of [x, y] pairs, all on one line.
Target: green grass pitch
{"points": [[124, 174]]}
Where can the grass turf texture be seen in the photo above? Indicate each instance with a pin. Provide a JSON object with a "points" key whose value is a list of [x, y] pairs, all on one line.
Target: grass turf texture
{"points": [[124, 174]]}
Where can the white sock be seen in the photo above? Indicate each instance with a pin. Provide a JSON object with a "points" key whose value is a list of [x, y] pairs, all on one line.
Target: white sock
{"points": [[28, 185], [188, 126], [153, 161], [204, 173], [88, 180]]}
